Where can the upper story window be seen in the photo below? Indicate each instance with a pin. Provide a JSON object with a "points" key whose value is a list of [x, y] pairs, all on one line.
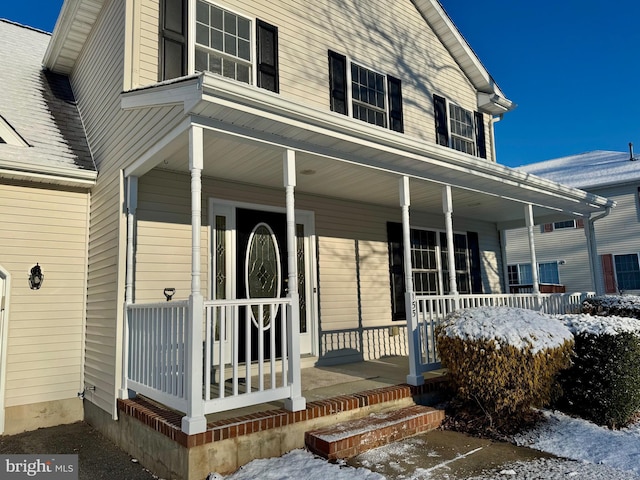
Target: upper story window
{"points": [[458, 128], [225, 43], [563, 225], [365, 94]]}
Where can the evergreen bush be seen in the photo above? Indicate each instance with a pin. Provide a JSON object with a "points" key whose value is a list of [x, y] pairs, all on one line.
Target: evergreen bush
{"points": [[603, 385], [613, 305], [503, 360]]}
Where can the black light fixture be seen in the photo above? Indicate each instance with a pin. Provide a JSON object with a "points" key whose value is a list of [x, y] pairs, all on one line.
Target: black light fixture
{"points": [[36, 277], [169, 292]]}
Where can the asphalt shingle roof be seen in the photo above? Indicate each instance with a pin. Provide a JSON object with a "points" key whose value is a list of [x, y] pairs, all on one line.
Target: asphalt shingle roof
{"points": [[39, 105]]}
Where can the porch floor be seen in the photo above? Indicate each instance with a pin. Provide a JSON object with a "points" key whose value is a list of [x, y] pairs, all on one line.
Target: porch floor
{"points": [[327, 389]]}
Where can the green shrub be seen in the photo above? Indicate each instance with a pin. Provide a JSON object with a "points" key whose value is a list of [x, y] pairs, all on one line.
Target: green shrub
{"points": [[503, 360], [613, 305], [603, 385]]}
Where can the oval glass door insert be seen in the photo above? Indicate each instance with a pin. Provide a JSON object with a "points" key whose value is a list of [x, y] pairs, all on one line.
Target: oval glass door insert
{"points": [[262, 272]]}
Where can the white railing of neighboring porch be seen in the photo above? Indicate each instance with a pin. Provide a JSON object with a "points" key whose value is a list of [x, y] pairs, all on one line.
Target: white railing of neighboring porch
{"points": [[157, 338], [432, 309]]}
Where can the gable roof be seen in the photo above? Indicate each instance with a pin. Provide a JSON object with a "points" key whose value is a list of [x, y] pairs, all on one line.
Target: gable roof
{"points": [[588, 170], [38, 105], [78, 16]]}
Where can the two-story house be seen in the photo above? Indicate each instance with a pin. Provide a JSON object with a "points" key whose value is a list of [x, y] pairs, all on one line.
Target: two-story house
{"points": [[561, 245], [280, 183]]}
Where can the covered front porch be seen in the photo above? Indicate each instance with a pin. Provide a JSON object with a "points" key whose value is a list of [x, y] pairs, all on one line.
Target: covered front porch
{"points": [[302, 200]]}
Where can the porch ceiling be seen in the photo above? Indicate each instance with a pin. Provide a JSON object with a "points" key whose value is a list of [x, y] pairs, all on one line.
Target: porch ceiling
{"points": [[247, 130]]}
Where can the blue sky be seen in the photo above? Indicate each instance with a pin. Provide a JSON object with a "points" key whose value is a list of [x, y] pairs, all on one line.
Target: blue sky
{"points": [[571, 66]]}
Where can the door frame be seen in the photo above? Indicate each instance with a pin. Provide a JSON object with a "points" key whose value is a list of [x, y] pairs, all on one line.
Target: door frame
{"points": [[5, 290], [309, 342]]}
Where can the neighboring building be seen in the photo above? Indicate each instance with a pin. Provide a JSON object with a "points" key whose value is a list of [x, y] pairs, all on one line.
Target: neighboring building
{"points": [[279, 163], [46, 172], [561, 246]]}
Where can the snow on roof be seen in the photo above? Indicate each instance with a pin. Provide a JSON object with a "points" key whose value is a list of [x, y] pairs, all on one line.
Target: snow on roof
{"points": [[591, 169], [600, 325], [512, 326], [39, 105]]}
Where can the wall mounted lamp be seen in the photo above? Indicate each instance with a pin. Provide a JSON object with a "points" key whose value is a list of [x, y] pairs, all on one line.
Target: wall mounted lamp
{"points": [[36, 277], [169, 292]]}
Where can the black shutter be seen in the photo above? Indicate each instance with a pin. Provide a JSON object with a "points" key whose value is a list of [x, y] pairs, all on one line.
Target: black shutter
{"points": [[442, 129], [473, 244], [396, 270], [395, 104], [267, 47], [481, 144], [338, 82], [173, 39]]}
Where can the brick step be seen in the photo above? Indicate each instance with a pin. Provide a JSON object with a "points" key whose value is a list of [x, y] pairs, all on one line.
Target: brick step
{"points": [[351, 438]]}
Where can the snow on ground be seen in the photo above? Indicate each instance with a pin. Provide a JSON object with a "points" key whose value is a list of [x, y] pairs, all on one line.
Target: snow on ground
{"points": [[597, 452]]}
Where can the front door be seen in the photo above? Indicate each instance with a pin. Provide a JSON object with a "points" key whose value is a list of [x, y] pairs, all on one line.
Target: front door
{"points": [[249, 260], [261, 259]]}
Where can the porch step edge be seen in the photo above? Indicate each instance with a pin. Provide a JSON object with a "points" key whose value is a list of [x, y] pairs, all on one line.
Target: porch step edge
{"points": [[351, 438]]}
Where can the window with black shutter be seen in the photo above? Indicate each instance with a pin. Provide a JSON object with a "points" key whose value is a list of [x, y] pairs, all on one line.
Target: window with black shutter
{"points": [[365, 94], [481, 144], [458, 128]]}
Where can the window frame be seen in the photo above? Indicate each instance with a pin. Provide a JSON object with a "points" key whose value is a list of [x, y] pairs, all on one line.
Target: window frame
{"points": [[350, 99], [519, 267], [253, 67], [471, 140], [617, 271]]}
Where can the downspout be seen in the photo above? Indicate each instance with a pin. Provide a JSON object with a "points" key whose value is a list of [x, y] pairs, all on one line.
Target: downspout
{"points": [[596, 267], [493, 121]]}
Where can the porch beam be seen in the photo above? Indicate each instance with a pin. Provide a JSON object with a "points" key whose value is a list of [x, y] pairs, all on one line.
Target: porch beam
{"points": [[447, 209], [528, 216], [411, 307], [296, 401], [195, 421]]}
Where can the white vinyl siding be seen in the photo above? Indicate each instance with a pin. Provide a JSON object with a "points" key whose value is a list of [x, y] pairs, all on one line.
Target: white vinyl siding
{"points": [[116, 138], [44, 348], [372, 34]]}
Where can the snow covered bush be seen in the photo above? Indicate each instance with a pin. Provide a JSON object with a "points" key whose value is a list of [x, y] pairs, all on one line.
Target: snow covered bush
{"points": [[503, 359], [603, 385], [616, 305]]}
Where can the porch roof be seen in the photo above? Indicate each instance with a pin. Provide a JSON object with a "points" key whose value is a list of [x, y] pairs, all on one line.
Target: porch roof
{"points": [[248, 128]]}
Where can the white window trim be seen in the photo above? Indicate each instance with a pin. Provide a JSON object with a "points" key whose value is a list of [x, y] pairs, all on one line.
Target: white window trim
{"points": [[518, 265], [351, 61], [442, 268], [473, 139], [192, 39]]}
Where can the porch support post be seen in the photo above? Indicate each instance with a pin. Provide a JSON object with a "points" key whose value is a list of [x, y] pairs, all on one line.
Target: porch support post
{"points": [[447, 209], [195, 421], [132, 205], [528, 215], [296, 401], [411, 307], [594, 261]]}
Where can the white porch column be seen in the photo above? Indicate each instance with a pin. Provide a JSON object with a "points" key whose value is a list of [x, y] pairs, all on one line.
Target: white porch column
{"points": [[195, 421], [594, 260], [411, 307], [528, 215], [132, 205], [447, 209], [296, 401]]}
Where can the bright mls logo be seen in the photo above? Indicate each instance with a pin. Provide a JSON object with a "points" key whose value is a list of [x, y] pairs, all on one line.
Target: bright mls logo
{"points": [[51, 467]]}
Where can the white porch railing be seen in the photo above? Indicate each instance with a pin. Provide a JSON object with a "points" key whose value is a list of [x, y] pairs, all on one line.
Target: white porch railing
{"points": [[157, 335], [433, 309]]}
